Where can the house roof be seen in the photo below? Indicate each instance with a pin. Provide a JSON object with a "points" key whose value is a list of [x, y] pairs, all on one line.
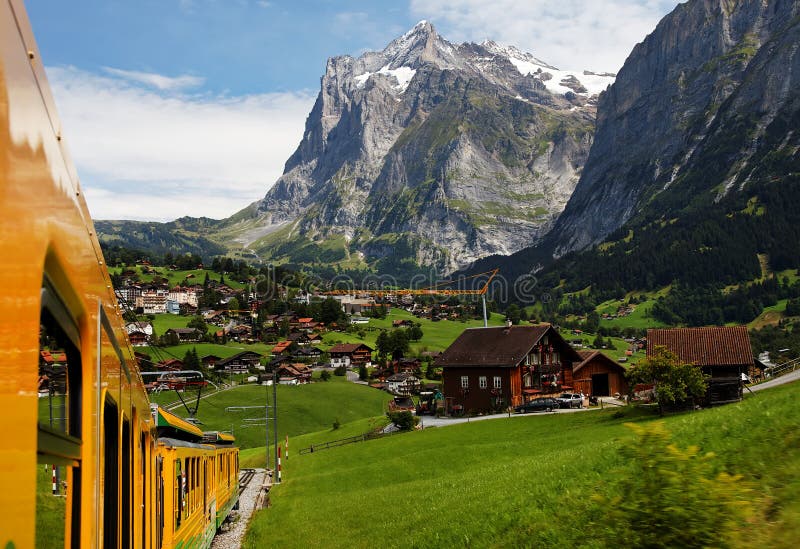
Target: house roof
{"points": [[709, 346], [497, 346], [252, 355], [595, 356], [403, 376], [348, 347]]}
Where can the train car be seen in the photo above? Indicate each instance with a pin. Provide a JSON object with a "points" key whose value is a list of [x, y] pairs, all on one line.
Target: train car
{"points": [[194, 478], [76, 418]]}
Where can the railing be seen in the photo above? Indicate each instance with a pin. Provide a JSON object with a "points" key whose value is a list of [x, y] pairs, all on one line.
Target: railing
{"points": [[786, 367]]}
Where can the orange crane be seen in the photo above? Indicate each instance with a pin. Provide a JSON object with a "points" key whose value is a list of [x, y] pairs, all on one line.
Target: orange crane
{"points": [[436, 289]]}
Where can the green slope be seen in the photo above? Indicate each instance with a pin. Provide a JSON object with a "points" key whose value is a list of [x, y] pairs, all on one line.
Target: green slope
{"points": [[521, 482]]}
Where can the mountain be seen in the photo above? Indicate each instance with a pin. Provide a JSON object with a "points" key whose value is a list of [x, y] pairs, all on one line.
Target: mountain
{"points": [[184, 235], [693, 179], [427, 153]]}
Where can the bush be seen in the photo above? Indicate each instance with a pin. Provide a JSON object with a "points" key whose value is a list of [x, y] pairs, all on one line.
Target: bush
{"points": [[340, 371], [670, 497], [405, 421], [325, 375]]}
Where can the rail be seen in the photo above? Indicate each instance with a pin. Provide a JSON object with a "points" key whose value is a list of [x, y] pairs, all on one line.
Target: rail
{"points": [[785, 368]]}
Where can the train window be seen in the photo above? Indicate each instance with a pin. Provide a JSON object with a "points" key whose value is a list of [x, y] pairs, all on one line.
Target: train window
{"points": [[59, 423], [127, 507], [110, 474]]}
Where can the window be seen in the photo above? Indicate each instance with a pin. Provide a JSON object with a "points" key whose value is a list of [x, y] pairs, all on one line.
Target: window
{"points": [[59, 425], [464, 382], [497, 382], [482, 382]]}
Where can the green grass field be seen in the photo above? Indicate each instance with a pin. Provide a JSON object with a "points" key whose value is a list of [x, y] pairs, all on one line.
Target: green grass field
{"points": [[522, 482], [437, 336], [301, 409]]}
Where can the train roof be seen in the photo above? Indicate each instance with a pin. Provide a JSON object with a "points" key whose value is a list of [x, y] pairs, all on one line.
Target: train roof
{"points": [[177, 443], [217, 437], [170, 425]]}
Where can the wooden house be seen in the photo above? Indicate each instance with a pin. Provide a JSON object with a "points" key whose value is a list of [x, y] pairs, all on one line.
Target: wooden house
{"points": [[492, 368], [403, 383], [722, 352], [350, 354], [598, 375], [240, 362]]}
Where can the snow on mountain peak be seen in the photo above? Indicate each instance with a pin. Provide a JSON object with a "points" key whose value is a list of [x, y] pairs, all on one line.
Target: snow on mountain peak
{"points": [[403, 75], [555, 80]]}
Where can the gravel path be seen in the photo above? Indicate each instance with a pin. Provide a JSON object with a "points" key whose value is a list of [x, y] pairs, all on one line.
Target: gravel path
{"points": [[233, 536]]}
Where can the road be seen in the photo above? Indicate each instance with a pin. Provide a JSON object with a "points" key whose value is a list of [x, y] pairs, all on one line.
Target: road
{"points": [[785, 378]]}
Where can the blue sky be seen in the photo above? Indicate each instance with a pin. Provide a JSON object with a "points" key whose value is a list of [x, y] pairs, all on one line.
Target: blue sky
{"points": [[191, 107]]}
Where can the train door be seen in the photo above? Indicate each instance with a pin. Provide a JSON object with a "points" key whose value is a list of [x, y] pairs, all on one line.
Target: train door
{"points": [[126, 493], [59, 424]]}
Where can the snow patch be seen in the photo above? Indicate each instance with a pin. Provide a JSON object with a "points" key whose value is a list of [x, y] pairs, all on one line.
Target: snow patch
{"points": [[403, 75]]}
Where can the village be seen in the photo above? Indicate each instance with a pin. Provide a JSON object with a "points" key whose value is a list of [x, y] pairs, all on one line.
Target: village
{"points": [[478, 370]]}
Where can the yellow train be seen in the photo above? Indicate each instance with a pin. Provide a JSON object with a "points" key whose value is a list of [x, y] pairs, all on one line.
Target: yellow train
{"points": [[71, 394]]}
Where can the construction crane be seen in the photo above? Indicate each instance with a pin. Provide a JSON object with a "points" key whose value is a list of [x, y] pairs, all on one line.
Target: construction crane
{"points": [[436, 289]]}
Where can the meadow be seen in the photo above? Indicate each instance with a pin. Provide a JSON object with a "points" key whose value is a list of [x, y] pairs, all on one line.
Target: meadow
{"points": [[301, 409], [525, 481]]}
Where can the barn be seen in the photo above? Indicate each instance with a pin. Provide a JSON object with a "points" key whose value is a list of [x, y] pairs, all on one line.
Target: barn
{"points": [[722, 352], [598, 375]]}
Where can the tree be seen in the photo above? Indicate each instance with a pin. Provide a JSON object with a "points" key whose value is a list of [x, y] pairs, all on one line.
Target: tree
{"points": [[415, 332], [325, 375], [592, 321], [233, 305], [674, 381], [599, 342], [513, 313], [198, 324], [363, 373]]}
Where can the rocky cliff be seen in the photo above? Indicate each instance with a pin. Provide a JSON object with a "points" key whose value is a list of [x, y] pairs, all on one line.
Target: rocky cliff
{"points": [[427, 153], [694, 113]]}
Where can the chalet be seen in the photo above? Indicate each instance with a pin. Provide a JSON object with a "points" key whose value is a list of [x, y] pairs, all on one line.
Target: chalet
{"points": [[299, 372], [210, 361], [403, 384], [402, 323], [144, 327], [171, 365], [491, 368], [350, 354], [407, 365], [240, 362], [300, 338], [185, 334], [282, 347], [722, 352], [598, 375], [307, 353], [138, 339]]}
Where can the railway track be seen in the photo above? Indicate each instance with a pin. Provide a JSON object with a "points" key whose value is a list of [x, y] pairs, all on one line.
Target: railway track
{"points": [[245, 476]]}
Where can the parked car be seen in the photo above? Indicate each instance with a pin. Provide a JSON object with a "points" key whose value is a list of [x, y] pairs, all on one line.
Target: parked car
{"points": [[570, 400], [546, 404]]}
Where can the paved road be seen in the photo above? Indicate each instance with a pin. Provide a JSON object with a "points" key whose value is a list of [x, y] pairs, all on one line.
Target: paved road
{"points": [[786, 378], [431, 421]]}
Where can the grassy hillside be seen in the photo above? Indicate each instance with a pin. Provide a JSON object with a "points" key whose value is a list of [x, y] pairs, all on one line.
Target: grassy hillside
{"points": [[301, 409], [525, 481]]}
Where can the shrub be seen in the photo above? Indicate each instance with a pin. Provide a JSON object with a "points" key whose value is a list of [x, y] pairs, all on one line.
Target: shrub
{"points": [[669, 497], [340, 371], [404, 420], [325, 375]]}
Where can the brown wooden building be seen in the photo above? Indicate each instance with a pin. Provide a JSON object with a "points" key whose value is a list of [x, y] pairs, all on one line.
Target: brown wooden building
{"points": [[489, 369], [723, 353], [598, 375], [350, 355]]}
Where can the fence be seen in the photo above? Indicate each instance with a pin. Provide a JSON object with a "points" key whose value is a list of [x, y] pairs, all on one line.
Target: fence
{"points": [[343, 441]]}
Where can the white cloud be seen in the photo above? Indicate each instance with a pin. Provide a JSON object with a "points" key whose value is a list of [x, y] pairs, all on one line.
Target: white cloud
{"points": [[164, 83], [142, 154], [570, 34]]}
